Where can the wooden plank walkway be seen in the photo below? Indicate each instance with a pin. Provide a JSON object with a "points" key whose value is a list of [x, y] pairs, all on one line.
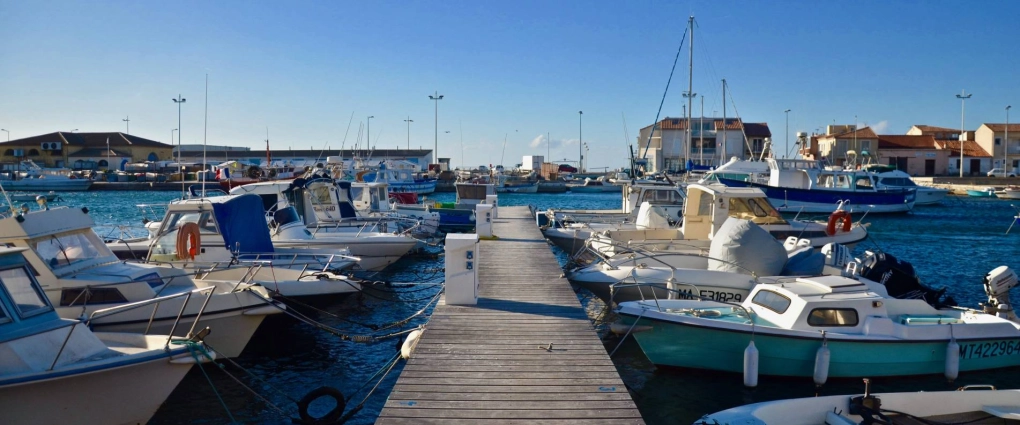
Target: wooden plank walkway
{"points": [[490, 363]]}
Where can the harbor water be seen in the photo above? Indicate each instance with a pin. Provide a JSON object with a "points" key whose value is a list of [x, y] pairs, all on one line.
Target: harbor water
{"points": [[953, 245]]}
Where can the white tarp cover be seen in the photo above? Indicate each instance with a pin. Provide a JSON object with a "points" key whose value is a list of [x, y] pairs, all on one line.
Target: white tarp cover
{"points": [[745, 247]]}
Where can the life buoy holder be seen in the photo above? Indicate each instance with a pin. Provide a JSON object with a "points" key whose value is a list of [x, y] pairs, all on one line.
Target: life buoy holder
{"points": [[836, 217], [332, 417], [188, 241]]}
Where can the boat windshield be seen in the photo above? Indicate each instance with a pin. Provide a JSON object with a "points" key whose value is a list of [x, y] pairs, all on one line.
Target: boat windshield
{"points": [[897, 182], [662, 196], [758, 210], [62, 250], [167, 242]]}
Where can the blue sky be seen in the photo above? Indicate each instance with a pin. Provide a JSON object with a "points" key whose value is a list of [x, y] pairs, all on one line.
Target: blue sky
{"points": [[513, 70]]}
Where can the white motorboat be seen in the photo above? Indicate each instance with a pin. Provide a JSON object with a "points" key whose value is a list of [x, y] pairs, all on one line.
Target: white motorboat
{"points": [[669, 198], [227, 238], [34, 178], [830, 326], [81, 276], [599, 185], [889, 177], [714, 204], [974, 404], [1010, 192], [57, 370]]}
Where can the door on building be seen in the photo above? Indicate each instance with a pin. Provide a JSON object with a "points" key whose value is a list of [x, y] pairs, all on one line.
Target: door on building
{"points": [[929, 167], [975, 167]]}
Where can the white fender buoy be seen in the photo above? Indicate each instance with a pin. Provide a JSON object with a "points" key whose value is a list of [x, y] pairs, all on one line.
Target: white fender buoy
{"points": [[952, 360], [408, 347], [822, 364], [751, 366]]}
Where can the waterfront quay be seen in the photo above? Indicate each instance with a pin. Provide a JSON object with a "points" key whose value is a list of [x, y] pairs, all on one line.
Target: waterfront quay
{"points": [[526, 353]]}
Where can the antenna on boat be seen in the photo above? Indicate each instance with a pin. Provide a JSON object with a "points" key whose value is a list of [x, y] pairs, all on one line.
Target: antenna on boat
{"points": [[205, 133], [14, 211]]}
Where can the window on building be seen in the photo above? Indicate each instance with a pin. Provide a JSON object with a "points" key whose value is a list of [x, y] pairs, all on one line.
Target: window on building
{"points": [[9, 152], [758, 145], [33, 152], [865, 146], [832, 317], [998, 141], [103, 163], [841, 147]]}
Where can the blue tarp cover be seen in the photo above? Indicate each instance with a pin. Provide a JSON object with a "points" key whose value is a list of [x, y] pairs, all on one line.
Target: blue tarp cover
{"points": [[242, 223]]}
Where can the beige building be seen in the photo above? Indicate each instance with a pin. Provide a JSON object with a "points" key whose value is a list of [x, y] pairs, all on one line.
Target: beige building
{"points": [[667, 145], [992, 138], [976, 159], [843, 144], [97, 151], [917, 155]]}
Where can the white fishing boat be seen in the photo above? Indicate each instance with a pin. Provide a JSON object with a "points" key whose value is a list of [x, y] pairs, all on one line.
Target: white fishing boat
{"points": [[668, 197], [81, 276], [1010, 192], [798, 185], [35, 178], [973, 404], [58, 370], [401, 177], [31, 197], [830, 326]]}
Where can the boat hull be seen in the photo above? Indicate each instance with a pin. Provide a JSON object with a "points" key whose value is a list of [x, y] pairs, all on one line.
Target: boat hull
{"points": [[127, 394], [232, 328], [421, 188], [682, 344], [981, 193], [788, 199]]}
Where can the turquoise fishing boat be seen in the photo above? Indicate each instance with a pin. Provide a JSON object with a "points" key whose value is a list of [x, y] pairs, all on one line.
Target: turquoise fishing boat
{"points": [[982, 193], [828, 326]]}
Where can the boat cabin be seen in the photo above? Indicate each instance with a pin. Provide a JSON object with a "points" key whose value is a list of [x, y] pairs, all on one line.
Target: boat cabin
{"points": [[708, 207], [224, 225], [810, 174], [669, 197]]}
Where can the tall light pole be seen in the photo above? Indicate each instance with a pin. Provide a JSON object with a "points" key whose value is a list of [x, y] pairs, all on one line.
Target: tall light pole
{"points": [[172, 137], [409, 121], [127, 122], [437, 97], [179, 101], [8, 134], [787, 112], [1005, 145], [368, 132], [963, 126], [580, 141]]}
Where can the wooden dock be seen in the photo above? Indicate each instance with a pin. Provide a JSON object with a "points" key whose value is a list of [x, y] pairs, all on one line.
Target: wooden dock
{"points": [[527, 353]]}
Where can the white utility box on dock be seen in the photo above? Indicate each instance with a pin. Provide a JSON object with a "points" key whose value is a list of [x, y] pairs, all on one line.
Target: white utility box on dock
{"points": [[462, 268], [483, 220], [494, 201]]}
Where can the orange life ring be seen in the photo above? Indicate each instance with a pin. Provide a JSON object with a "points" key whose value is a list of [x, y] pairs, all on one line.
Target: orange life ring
{"points": [[836, 216], [188, 241]]}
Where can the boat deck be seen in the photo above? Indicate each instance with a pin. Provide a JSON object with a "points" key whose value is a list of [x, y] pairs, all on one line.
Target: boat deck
{"points": [[526, 353]]}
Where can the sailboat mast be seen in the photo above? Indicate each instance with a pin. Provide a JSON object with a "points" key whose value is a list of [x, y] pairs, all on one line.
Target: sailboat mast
{"points": [[723, 159], [690, 90], [701, 133]]}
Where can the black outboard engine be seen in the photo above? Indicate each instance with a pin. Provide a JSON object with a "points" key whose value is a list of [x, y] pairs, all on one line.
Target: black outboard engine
{"points": [[901, 280]]}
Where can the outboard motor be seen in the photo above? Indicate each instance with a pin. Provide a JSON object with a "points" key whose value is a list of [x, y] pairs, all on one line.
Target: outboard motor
{"points": [[901, 280], [997, 283]]}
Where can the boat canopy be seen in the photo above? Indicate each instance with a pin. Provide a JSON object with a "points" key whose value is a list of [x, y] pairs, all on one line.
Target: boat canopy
{"points": [[242, 223]]}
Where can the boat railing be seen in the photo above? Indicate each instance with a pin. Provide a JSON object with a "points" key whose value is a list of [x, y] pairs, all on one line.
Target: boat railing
{"points": [[152, 212], [321, 262], [156, 302], [609, 249]]}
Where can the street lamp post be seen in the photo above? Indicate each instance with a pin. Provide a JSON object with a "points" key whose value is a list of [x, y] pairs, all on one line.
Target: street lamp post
{"points": [[179, 100], [1005, 144], [8, 134], [437, 97], [580, 141], [963, 127], [127, 122], [787, 112], [409, 121]]}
